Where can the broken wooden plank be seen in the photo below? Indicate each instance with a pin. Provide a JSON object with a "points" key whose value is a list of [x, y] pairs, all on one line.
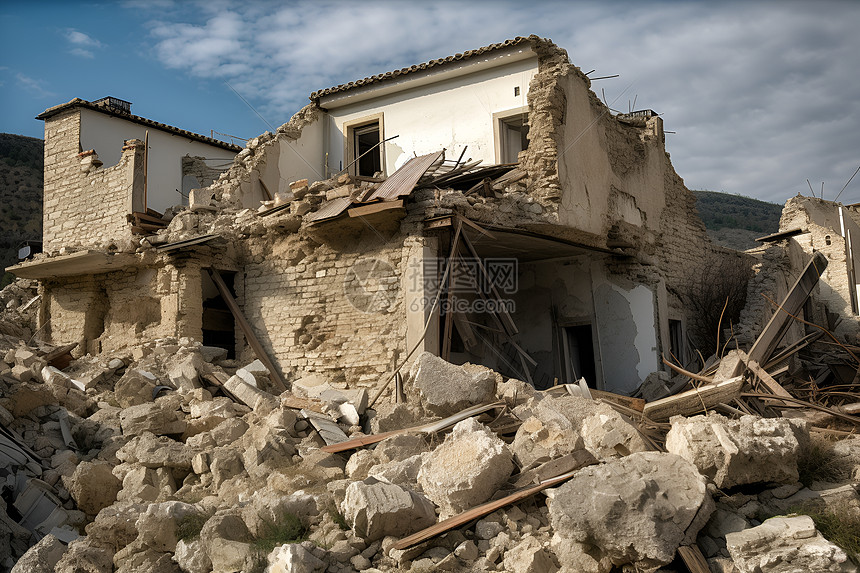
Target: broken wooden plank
{"points": [[778, 324], [762, 375], [424, 428], [61, 356], [637, 404], [695, 400], [245, 326], [693, 559], [364, 210], [567, 463], [479, 511], [298, 403]]}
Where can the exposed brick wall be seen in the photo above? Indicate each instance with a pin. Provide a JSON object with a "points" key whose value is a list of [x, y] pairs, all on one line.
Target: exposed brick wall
{"points": [[117, 310], [84, 205], [302, 298]]}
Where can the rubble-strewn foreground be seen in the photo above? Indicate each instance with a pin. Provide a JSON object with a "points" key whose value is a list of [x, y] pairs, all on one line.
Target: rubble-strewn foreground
{"points": [[169, 457]]}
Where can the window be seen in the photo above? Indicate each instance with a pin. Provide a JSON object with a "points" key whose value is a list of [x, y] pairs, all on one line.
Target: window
{"points": [[364, 149], [511, 130]]}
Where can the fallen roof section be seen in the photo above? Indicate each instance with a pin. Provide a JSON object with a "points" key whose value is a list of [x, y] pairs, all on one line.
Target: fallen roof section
{"points": [[86, 262]]}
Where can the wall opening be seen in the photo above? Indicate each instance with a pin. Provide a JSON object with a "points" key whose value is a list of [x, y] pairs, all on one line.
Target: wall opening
{"points": [[676, 340], [365, 145], [578, 354], [219, 326], [513, 137]]}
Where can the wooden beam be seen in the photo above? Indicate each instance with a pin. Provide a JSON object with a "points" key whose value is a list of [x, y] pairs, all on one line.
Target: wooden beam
{"points": [[778, 324], [762, 375], [693, 559], [637, 404], [438, 223], [245, 326], [479, 511], [695, 400], [372, 208]]}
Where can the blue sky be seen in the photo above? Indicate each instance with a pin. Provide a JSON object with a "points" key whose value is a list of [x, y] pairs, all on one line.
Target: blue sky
{"points": [[761, 95]]}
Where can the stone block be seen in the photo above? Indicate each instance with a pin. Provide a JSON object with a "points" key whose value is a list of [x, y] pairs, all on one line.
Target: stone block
{"points": [[92, 486], [466, 469], [42, 557], [444, 389], [634, 510], [375, 509], [738, 452], [786, 545]]}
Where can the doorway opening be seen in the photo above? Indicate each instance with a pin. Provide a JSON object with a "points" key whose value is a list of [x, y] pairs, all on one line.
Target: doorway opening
{"points": [[578, 351], [219, 326]]}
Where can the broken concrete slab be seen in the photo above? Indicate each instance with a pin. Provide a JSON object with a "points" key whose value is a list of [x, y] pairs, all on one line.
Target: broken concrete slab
{"points": [[637, 510], [737, 452], [466, 469], [293, 558], [375, 509], [443, 389], [42, 557], [155, 417], [786, 545], [93, 486]]}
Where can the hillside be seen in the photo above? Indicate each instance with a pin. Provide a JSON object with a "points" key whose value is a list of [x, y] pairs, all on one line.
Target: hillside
{"points": [[734, 221], [21, 161]]}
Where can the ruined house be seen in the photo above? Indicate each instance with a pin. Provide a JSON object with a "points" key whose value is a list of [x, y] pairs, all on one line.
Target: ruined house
{"points": [[578, 244]]}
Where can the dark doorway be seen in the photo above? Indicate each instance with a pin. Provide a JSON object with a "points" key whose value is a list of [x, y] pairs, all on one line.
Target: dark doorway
{"points": [[219, 327], [579, 354]]}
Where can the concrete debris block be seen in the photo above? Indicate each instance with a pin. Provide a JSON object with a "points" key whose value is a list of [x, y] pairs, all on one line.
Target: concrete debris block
{"points": [[157, 452], [84, 556], [220, 407], [191, 557], [57, 378], [529, 556], [842, 499], [637, 510], [737, 452], [225, 463], [611, 435], [158, 526], [148, 560], [375, 509], [155, 417], [545, 436], [26, 397], [64, 462], [200, 199], [293, 558], [212, 354], [93, 486], [23, 373], [135, 387], [402, 472], [469, 467], [223, 434], [311, 386], [444, 389], [467, 551], [400, 447], [786, 545], [183, 374], [251, 396], [42, 557], [115, 526], [227, 541], [26, 358], [359, 464], [146, 484]]}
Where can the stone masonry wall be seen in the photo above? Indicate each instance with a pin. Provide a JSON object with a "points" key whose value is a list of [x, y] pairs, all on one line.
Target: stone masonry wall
{"points": [[84, 205], [113, 310], [334, 309]]}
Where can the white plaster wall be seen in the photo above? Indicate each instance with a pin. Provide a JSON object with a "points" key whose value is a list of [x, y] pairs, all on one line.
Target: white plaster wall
{"points": [[451, 113], [590, 146], [626, 327], [301, 158], [106, 135]]}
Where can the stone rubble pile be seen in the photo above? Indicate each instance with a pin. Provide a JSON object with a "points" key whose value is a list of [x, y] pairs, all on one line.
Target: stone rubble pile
{"points": [[141, 461]]}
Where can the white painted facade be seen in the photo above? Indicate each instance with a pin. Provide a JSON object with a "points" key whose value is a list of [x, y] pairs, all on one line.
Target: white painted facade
{"points": [[458, 106], [106, 134]]}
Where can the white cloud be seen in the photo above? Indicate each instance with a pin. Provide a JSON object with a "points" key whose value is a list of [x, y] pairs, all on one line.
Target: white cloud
{"points": [[82, 44], [34, 86], [761, 95]]}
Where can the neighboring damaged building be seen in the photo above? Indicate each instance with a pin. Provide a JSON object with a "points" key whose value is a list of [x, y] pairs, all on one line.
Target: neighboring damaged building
{"points": [[576, 246], [809, 225]]}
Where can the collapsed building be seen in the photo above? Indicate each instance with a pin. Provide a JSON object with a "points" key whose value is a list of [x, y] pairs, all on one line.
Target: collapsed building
{"points": [[575, 246], [482, 223]]}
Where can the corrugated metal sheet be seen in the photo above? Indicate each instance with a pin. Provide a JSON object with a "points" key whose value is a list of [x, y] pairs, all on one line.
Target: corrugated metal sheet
{"points": [[404, 179], [329, 210]]}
